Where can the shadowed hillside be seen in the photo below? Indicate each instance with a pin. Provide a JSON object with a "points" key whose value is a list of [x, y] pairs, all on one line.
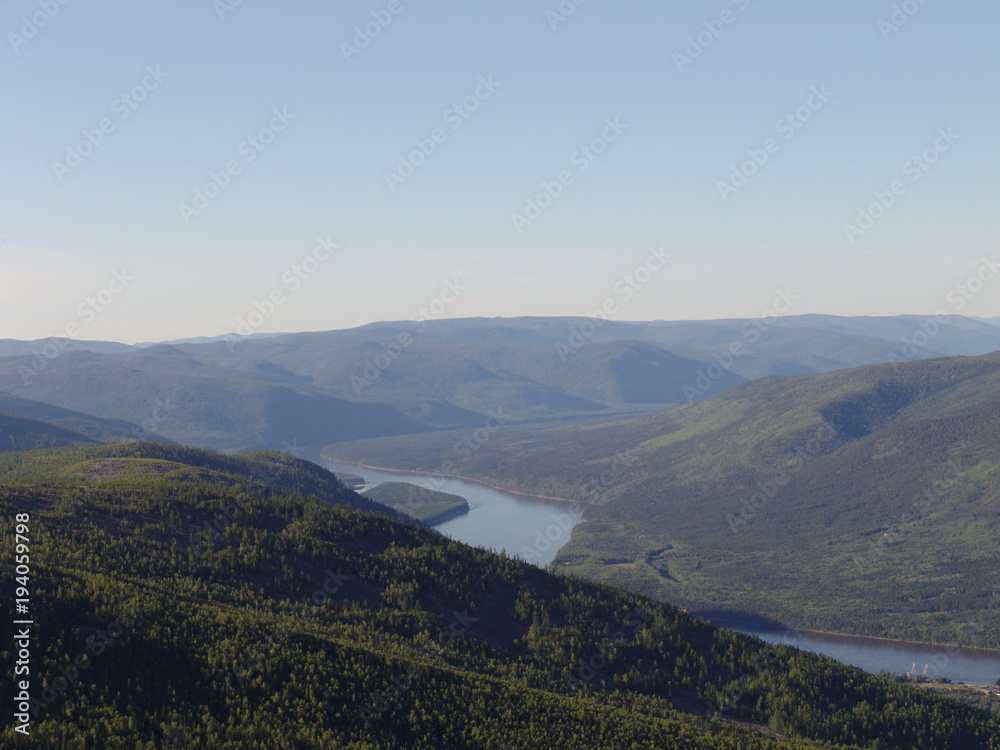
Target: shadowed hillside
{"points": [[187, 599]]}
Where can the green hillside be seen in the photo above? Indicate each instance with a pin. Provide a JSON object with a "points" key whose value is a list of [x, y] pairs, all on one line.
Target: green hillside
{"points": [[96, 429], [188, 599], [420, 503], [864, 501], [21, 434], [201, 404]]}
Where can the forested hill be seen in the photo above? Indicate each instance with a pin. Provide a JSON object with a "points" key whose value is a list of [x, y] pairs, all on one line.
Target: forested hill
{"points": [[864, 501], [85, 427], [21, 434], [187, 599]]}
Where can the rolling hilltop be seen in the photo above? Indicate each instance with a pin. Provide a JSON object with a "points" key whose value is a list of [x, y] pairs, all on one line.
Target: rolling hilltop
{"points": [[313, 389], [863, 500], [187, 599]]}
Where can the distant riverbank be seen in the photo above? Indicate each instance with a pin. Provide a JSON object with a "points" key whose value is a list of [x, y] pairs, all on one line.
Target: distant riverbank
{"points": [[548, 498], [970, 665], [535, 527], [736, 624]]}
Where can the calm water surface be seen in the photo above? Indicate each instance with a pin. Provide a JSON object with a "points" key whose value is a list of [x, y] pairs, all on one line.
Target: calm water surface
{"points": [[972, 666], [535, 529], [529, 528]]}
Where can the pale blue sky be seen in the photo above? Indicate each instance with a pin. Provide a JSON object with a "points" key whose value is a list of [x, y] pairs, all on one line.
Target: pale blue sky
{"points": [[66, 232]]}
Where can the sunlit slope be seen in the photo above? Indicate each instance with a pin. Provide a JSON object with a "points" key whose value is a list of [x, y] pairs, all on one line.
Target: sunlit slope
{"points": [[251, 602], [863, 500]]}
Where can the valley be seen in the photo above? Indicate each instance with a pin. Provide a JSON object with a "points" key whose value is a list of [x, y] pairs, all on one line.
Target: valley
{"points": [[554, 375], [864, 501], [811, 490], [535, 531]]}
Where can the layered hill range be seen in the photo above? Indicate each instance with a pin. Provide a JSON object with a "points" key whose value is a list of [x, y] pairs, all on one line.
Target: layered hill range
{"points": [[305, 391], [26, 424], [864, 500]]}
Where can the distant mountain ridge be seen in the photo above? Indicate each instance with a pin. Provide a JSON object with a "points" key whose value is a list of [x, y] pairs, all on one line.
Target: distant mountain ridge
{"points": [[23, 434], [233, 393], [87, 426], [54, 346]]}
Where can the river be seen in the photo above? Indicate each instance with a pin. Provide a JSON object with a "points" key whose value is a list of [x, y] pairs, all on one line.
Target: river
{"points": [[535, 529], [969, 665], [530, 528]]}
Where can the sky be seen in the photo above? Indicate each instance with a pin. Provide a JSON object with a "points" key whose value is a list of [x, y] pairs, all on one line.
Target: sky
{"points": [[171, 170]]}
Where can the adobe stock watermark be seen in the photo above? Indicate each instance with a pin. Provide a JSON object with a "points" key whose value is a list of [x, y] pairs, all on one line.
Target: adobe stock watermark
{"points": [[466, 447], [751, 331], [86, 313], [416, 498], [563, 522], [292, 279], [786, 126], [624, 289], [901, 14], [957, 298], [921, 505], [764, 660], [713, 29], [582, 158], [202, 540], [915, 167], [33, 24], [562, 12], [69, 671], [306, 607], [587, 669], [223, 8], [461, 623], [454, 117], [248, 151], [363, 35], [594, 489], [766, 491], [374, 366], [162, 407], [122, 106]]}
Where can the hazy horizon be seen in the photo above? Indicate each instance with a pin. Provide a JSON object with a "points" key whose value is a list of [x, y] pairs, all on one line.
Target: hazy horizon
{"points": [[233, 334], [183, 166]]}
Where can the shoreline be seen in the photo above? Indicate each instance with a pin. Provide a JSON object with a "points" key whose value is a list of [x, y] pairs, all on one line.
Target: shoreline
{"points": [[447, 515], [527, 495], [929, 645], [721, 622]]}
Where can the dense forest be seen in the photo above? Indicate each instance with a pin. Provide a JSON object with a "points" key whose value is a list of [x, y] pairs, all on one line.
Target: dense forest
{"points": [[420, 503], [864, 501], [183, 598]]}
